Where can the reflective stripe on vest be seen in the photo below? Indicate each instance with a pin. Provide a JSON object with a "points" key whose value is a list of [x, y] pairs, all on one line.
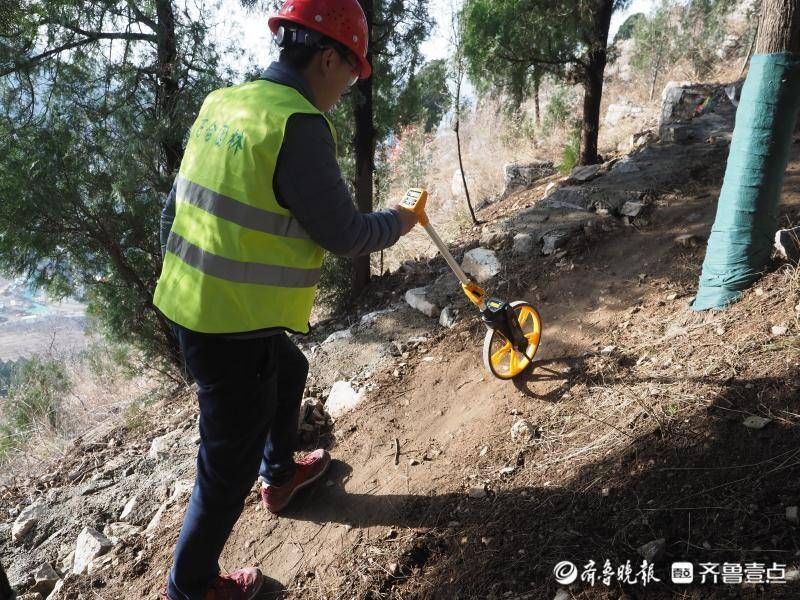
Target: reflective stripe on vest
{"points": [[245, 215], [240, 272], [237, 260]]}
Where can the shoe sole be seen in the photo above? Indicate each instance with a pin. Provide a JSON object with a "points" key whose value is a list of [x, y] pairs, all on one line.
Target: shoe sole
{"points": [[259, 585], [306, 483]]}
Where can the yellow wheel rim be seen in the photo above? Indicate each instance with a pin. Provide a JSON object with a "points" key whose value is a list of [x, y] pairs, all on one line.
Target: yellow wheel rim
{"points": [[502, 360]]}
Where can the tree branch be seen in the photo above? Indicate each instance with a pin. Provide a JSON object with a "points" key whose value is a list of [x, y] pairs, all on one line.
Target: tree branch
{"points": [[91, 38]]}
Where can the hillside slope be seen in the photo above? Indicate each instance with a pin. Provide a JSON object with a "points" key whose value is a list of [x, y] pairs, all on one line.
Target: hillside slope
{"points": [[635, 412]]}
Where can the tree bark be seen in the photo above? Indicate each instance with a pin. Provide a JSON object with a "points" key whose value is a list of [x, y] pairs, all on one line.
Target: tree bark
{"points": [[779, 27], [168, 91], [595, 64], [537, 110], [364, 146]]}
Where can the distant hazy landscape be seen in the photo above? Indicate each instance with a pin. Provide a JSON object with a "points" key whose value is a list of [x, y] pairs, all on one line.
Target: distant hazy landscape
{"points": [[33, 324]]}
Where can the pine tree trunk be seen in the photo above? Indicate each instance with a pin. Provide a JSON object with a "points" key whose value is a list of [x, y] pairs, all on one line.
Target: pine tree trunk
{"points": [[171, 138], [168, 91], [536, 108], [779, 27], [593, 79], [364, 146]]}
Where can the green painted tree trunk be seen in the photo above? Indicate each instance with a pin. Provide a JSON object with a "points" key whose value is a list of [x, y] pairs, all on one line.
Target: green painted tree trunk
{"points": [[740, 246]]}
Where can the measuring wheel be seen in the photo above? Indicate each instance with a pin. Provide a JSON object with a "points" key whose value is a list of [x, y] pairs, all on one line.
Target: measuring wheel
{"points": [[500, 357]]}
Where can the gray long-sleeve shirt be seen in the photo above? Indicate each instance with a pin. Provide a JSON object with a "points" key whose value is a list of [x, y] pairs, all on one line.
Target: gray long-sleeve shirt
{"points": [[309, 183]]}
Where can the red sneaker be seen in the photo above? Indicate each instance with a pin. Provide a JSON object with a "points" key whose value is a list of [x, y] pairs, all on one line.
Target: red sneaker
{"points": [[309, 468], [243, 584]]}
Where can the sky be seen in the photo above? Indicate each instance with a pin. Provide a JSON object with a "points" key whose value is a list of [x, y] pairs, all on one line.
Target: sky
{"points": [[250, 29]]}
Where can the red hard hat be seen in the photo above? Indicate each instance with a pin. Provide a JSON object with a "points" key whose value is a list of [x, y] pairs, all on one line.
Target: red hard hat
{"points": [[340, 20]]}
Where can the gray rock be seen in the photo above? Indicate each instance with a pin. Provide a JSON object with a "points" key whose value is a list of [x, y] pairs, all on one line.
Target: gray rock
{"points": [[45, 578], [395, 348], [66, 561], [91, 544], [371, 318], [138, 509], [779, 330], [154, 523], [495, 239], [626, 165], [652, 550], [481, 264], [477, 491], [590, 198], [522, 176], [26, 520], [161, 447], [710, 126], [680, 133], [56, 594], [447, 318], [117, 532], [787, 244], [100, 564], [553, 240], [338, 335], [633, 209], [641, 140], [342, 398], [523, 244], [549, 189], [582, 174], [679, 101], [419, 298]]}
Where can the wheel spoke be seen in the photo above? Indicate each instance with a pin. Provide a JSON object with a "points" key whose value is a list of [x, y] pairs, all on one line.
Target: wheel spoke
{"points": [[500, 354], [512, 365], [534, 337]]}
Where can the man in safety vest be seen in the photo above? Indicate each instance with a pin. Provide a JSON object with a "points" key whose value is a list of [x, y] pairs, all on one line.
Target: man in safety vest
{"points": [[258, 200]]}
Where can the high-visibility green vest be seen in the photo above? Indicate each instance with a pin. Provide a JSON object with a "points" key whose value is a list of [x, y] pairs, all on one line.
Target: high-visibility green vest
{"points": [[236, 260]]}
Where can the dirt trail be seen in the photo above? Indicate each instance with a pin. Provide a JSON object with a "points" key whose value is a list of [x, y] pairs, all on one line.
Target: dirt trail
{"points": [[370, 510], [635, 406]]}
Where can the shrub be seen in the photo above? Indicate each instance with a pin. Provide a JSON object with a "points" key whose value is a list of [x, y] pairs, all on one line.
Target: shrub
{"points": [[35, 394], [571, 153]]}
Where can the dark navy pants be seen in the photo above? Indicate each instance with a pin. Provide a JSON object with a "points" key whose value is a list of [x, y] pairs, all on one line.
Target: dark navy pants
{"points": [[249, 391]]}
